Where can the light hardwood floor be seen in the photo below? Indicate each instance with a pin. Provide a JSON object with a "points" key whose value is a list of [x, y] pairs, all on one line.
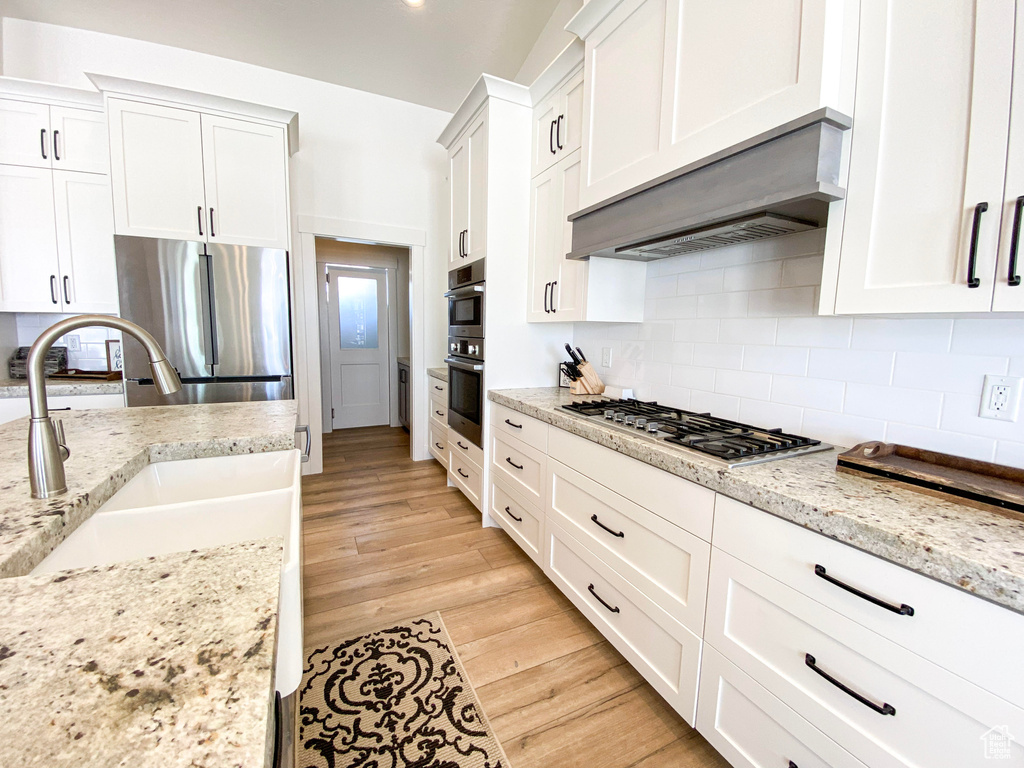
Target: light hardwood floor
{"points": [[386, 539]]}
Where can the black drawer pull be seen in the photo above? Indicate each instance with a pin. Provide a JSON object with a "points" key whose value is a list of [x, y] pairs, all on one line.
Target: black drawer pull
{"points": [[67, 291], [620, 534], [56, 154], [439, 413], [551, 138], [517, 426], [885, 709], [602, 602], [793, 765], [463, 447], [558, 132], [212, 233], [972, 258], [439, 389], [509, 460], [42, 143], [902, 609], [439, 446], [459, 470], [1012, 278], [53, 289], [509, 513], [200, 215]]}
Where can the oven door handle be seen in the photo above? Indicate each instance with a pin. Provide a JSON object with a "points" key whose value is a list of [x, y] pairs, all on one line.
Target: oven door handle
{"points": [[463, 366], [461, 293]]}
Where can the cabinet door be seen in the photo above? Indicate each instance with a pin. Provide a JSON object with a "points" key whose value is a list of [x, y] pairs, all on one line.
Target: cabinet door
{"points": [[458, 189], [569, 130], [476, 237], [545, 237], [569, 292], [156, 171], [929, 146], [545, 122], [622, 98], [85, 242], [28, 242], [245, 165], [1009, 285], [782, 60], [79, 140], [25, 133]]}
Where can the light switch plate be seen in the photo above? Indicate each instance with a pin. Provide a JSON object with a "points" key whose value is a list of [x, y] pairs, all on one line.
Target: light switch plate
{"points": [[1000, 398]]}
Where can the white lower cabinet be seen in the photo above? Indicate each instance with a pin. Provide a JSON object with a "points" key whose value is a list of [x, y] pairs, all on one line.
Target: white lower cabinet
{"points": [[519, 466], [465, 473], [12, 408], [520, 519], [438, 441]]}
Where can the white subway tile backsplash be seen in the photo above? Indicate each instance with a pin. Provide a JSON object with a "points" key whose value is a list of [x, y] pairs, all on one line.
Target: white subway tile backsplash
{"points": [[1016, 366], [805, 270], [808, 393], [726, 257], [723, 406], [718, 355], [697, 330], [743, 384], [748, 331], [678, 397], [722, 305], [675, 266], [906, 406], [787, 360], [788, 418], [782, 302], [863, 366], [675, 306], [830, 332], [1011, 454], [960, 414], [654, 331], [810, 243], [945, 442], [673, 352], [633, 350], [653, 373], [946, 373], [990, 336], [752, 277], [841, 429], [693, 377], [700, 283], [661, 287], [905, 334]]}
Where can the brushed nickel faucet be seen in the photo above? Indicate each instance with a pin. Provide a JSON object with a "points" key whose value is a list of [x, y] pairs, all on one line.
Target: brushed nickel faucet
{"points": [[47, 449]]}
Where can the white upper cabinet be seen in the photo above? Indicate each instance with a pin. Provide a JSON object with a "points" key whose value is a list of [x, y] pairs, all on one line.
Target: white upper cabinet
{"points": [[1009, 286], [246, 173], [25, 133], [557, 124], [920, 227], [29, 273], [85, 243], [467, 169], [156, 166], [458, 189], [44, 136], [79, 140], [669, 82]]}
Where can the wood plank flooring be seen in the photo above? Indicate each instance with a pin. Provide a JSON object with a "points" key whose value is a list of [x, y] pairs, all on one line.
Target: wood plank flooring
{"points": [[385, 539]]}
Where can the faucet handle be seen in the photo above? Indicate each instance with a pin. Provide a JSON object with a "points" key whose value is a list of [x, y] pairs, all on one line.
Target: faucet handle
{"points": [[62, 443]]}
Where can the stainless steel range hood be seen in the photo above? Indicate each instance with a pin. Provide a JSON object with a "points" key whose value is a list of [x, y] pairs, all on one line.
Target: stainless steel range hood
{"points": [[779, 182]]}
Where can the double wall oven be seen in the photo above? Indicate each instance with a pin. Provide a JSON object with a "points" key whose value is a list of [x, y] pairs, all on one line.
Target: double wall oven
{"points": [[466, 351]]}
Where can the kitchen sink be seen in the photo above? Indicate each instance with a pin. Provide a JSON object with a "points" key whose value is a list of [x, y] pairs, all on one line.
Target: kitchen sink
{"points": [[178, 506]]}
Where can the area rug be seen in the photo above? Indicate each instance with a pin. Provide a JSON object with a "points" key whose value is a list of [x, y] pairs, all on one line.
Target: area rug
{"points": [[396, 698]]}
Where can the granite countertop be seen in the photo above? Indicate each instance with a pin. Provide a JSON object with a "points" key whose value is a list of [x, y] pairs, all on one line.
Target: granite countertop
{"points": [[979, 551], [438, 373], [108, 448], [163, 662], [61, 387]]}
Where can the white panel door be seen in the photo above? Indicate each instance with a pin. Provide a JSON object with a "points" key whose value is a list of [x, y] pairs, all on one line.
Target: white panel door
{"points": [[1009, 278], [246, 170], [79, 140], [360, 353], [545, 121], [622, 98], [569, 130], [545, 205], [736, 68], [458, 186], [569, 293], [25, 133], [929, 148], [476, 237], [29, 273], [156, 171], [85, 242]]}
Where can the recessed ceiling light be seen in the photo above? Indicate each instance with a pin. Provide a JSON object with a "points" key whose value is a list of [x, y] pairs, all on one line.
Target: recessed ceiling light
{"points": [[413, 3]]}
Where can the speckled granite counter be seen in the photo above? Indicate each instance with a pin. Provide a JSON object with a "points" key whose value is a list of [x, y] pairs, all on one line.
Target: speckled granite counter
{"points": [[108, 448], [61, 387], [438, 373], [978, 551], [162, 662]]}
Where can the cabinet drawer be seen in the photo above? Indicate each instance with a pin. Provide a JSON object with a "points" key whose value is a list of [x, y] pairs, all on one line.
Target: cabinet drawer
{"points": [[526, 428], [438, 441], [521, 520], [438, 388], [679, 501], [669, 564], [661, 649], [467, 476], [521, 466], [439, 410], [462, 446], [945, 620], [913, 712], [753, 729]]}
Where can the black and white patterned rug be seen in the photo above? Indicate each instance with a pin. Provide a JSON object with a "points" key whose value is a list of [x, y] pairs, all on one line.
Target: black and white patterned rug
{"points": [[397, 698]]}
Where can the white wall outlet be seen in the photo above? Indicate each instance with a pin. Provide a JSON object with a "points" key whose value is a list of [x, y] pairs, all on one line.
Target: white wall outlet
{"points": [[1000, 399], [74, 342], [606, 357]]}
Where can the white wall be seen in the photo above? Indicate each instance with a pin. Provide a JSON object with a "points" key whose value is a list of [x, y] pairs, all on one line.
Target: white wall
{"points": [[733, 331], [552, 40], [363, 157], [92, 352]]}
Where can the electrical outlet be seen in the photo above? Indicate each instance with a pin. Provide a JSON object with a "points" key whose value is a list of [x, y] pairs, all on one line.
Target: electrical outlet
{"points": [[74, 342], [1000, 399], [606, 357]]}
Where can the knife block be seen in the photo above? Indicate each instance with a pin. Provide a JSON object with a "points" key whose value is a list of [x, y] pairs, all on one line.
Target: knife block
{"points": [[589, 383]]}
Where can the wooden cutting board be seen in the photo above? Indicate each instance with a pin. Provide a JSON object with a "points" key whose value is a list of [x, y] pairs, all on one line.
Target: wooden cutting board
{"points": [[967, 481]]}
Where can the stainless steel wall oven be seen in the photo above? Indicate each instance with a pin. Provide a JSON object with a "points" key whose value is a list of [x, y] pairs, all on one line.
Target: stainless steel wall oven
{"points": [[466, 300], [466, 351]]}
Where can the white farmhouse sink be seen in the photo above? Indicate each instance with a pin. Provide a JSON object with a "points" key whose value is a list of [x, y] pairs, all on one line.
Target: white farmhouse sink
{"points": [[178, 506]]}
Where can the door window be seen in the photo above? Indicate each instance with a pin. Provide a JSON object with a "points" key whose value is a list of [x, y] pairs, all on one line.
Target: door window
{"points": [[357, 312]]}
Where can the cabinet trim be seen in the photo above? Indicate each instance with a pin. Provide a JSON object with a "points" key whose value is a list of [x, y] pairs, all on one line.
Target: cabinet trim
{"points": [[487, 87]]}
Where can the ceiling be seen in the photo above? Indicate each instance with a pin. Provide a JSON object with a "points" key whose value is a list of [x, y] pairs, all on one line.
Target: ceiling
{"points": [[430, 55]]}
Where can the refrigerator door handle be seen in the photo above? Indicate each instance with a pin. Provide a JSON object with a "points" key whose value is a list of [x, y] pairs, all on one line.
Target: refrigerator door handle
{"points": [[209, 319]]}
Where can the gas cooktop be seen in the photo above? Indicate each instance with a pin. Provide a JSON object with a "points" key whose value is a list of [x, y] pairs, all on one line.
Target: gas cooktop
{"points": [[729, 442]]}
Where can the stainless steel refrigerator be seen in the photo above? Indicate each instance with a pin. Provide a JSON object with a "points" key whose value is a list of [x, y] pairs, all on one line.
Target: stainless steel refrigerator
{"points": [[220, 312]]}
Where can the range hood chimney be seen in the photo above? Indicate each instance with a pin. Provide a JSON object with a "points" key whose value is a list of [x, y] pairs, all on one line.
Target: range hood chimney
{"points": [[779, 182]]}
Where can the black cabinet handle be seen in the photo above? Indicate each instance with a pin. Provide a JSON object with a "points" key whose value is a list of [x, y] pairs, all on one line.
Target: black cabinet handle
{"points": [[517, 426], [439, 389], [465, 243], [902, 609], [509, 460], [463, 447], [67, 291], [619, 534], [42, 143], [551, 137], [884, 709], [553, 307], [439, 413], [972, 279], [53, 289], [793, 765], [200, 217], [558, 132], [56, 155], [547, 287], [1012, 278], [212, 233], [439, 446], [509, 513], [459, 470], [602, 602]]}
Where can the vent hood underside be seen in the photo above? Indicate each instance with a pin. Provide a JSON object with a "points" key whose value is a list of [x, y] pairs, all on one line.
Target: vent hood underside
{"points": [[777, 183]]}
